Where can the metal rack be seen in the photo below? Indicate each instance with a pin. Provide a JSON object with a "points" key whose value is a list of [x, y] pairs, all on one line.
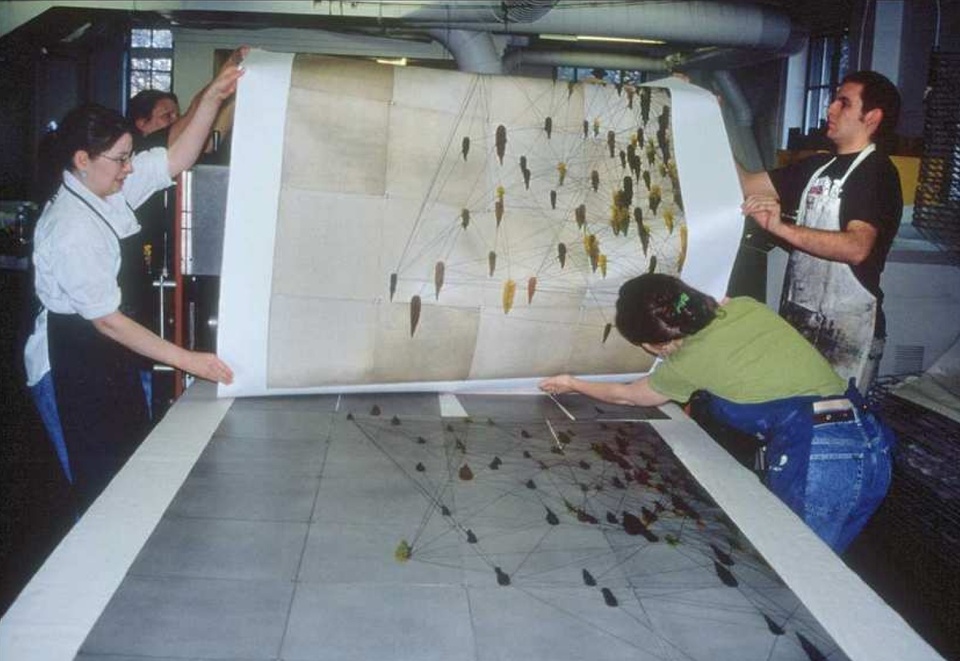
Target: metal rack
{"points": [[937, 208], [918, 526]]}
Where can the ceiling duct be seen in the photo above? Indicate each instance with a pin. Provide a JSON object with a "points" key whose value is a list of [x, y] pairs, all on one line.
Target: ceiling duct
{"points": [[474, 52], [689, 22], [736, 106], [464, 11]]}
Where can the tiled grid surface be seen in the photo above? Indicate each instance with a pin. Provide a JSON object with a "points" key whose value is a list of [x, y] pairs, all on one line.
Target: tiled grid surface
{"points": [[280, 545]]}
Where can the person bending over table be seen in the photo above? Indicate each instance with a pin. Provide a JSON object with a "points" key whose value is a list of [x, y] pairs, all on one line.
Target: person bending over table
{"points": [[829, 456]]}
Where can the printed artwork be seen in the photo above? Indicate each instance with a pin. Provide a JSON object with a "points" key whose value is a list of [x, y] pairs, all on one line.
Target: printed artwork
{"points": [[434, 226], [463, 226]]}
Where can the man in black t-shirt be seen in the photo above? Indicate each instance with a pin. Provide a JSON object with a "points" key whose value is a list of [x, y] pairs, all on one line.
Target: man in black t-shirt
{"points": [[846, 209]]}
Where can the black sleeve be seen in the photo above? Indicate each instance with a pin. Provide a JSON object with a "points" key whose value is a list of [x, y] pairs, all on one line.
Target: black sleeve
{"points": [[155, 139], [873, 195], [791, 180]]}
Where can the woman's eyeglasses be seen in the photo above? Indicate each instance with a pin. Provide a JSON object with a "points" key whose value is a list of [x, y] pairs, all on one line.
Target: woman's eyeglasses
{"points": [[122, 160]]}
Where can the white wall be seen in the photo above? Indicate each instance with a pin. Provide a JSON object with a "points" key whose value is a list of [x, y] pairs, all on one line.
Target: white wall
{"points": [[794, 92], [887, 37]]}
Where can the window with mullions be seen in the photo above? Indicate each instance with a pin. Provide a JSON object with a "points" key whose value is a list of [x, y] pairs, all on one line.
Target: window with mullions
{"points": [[828, 61], [151, 60], [615, 76]]}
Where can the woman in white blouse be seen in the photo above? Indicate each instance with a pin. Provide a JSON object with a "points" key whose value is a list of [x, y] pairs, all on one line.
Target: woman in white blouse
{"points": [[85, 249]]}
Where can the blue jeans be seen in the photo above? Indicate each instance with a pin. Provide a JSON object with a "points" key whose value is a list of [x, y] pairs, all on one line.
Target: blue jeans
{"points": [[146, 380], [45, 399], [832, 468]]}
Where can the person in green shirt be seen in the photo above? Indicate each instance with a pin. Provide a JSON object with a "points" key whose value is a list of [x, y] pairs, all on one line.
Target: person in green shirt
{"points": [[829, 455]]}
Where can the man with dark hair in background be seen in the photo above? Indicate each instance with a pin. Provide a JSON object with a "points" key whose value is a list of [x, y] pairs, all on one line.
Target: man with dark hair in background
{"points": [[156, 116], [153, 110], [846, 209], [153, 113]]}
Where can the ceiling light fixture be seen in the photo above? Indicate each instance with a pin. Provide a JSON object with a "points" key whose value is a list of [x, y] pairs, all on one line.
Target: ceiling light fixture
{"points": [[619, 40], [397, 62]]}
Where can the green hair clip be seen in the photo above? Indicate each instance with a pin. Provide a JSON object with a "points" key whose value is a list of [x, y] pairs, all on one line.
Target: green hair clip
{"points": [[681, 303]]}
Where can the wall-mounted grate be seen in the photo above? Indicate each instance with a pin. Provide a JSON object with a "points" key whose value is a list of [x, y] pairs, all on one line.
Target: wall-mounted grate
{"points": [[936, 212], [908, 358]]}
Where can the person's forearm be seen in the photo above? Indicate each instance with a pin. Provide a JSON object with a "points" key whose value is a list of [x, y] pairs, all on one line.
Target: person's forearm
{"points": [[850, 246], [188, 137], [755, 183], [176, 129], [637, 393], [124, 330], [612, 393]]}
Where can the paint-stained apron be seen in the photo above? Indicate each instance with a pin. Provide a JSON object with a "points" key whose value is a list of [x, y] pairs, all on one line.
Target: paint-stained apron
{"points": [[823, 299]]}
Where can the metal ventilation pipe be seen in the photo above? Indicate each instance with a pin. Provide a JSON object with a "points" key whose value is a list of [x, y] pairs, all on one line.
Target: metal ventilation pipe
{"points": [[474, 52], [507, 12], [738, 108], [716, 23]]}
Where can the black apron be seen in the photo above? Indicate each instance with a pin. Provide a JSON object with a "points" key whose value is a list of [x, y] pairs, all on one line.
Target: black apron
{"points": [[97, 380]]}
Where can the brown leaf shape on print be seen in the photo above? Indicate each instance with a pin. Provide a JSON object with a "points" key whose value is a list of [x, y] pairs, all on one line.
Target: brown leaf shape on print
{"points": [[509, 292], [682, 257], [668, 220], [591, 246], [438, 272], [642, 229], [414, 314]]}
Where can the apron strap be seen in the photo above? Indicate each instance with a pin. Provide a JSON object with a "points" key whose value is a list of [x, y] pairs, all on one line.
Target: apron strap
{"points": [[94, 210]]}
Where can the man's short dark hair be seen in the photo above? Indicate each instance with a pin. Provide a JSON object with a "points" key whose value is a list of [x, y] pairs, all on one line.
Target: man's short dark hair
{"points": [[142, 104], [879, 92]]}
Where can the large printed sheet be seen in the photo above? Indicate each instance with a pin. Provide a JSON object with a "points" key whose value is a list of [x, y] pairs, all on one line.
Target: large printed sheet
{"points": [[400, 228]]}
